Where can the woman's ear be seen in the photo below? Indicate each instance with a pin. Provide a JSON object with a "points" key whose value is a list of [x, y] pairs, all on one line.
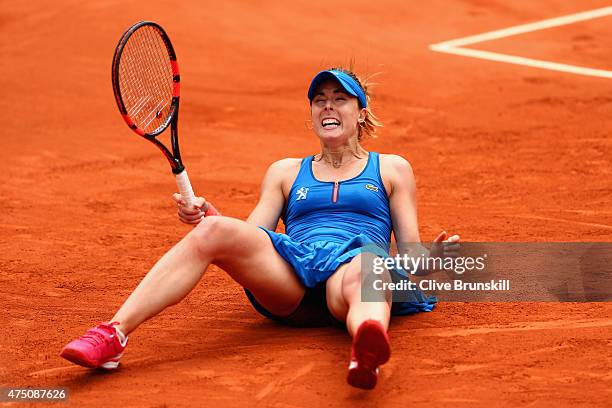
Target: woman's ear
{"points": [[362, 115]]}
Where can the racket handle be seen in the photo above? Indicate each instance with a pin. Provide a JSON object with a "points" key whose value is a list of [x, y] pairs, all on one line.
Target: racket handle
{"points": [[184, 187]]}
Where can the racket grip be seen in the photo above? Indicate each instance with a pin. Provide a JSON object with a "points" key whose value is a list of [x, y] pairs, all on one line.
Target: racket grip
{"points": [[184, 187]]}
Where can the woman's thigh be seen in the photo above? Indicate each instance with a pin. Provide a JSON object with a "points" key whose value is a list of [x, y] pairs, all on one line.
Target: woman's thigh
{"points": [[246, 253]]}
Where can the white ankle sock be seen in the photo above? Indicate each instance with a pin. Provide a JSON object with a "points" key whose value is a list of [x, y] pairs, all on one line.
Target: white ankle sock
{"points": [[122, 337]]}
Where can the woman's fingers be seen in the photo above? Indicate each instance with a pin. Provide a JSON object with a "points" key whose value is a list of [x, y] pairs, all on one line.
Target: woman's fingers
{"points": [[451, 247], [199, 202], [441, 237], [190, 219], [178, 199], [193, 209], [189, 211], [191, 214]]}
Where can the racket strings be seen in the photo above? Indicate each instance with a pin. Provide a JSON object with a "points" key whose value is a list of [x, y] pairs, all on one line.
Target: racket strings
{"points": [[151, 55], [145, 77]]}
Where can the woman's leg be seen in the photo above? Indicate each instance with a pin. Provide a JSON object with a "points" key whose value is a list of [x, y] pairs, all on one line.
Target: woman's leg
{"points": [[344, 297], [367, 322], [244, 251]]}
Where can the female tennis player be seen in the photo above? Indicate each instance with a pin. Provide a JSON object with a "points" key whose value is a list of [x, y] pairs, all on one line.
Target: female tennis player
{"points": [[334, 204]]}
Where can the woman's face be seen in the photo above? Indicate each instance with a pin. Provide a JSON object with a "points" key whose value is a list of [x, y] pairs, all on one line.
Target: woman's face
{"points": [[335, 113]]}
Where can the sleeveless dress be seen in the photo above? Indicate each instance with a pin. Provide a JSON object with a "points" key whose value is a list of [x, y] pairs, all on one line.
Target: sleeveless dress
{"points": [[328, 223]]}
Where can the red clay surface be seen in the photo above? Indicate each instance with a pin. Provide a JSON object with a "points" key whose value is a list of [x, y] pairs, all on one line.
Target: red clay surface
{"points": [[501, 153]]}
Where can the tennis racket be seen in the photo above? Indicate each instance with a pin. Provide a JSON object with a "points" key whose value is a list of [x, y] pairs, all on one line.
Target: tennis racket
{"points": [[146, 83]]}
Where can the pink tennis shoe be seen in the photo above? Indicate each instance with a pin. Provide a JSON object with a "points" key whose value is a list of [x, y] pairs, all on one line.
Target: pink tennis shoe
{"points": [[370, 349], [100, 347]]}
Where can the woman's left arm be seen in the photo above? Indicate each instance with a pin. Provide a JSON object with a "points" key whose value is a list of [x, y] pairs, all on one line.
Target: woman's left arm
{"points": [[399, 181], [399, 177]]}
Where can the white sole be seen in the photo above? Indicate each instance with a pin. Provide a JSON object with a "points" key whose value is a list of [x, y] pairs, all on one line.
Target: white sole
{"points": [[113, 364]]}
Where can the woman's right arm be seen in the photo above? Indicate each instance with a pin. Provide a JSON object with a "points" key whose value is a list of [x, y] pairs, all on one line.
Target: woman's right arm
{"points": [[272, 199]]}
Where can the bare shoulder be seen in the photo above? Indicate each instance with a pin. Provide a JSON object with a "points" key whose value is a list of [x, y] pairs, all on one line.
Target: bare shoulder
{"points": [[283, 172], [395, 171], [393, 165], [285, 164], [283, 168]]}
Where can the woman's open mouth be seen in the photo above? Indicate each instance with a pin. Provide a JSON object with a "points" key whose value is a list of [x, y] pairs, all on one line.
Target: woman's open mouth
{"points": [[330, 123]]}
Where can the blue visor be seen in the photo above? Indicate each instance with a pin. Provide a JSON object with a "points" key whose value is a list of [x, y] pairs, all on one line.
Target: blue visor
{"points": [[348, 83]]}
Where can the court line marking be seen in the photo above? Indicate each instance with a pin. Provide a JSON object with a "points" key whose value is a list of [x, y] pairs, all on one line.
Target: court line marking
{"points": [[586, 224], [534, 217], [456, 46], [511, 327]]}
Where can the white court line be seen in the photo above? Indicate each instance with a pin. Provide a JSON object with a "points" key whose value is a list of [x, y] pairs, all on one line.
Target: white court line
{"points": [[586, 224], [456, 46]]}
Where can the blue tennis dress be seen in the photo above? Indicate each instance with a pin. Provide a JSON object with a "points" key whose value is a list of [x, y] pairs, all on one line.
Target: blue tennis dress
{"points": [[328, 223]]}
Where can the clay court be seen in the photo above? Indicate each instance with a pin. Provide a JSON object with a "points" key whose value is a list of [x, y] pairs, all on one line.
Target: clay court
{"points": [[502, 152]]}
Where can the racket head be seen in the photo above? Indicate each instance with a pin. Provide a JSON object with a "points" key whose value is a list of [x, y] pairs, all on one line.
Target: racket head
{"points": [[146, 79]]}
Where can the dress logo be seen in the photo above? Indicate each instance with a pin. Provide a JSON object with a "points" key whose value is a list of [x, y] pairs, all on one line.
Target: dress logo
{"points": [[371, 187], [301, 193]]}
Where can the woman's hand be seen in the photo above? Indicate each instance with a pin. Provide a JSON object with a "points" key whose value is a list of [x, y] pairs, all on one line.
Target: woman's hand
{"points": [[193, 214], [444, 246]]}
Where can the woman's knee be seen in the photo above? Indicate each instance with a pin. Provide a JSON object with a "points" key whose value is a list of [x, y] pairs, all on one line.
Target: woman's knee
{"points": [[340, 288], [357, 283], [211, 235], [351, 281]]}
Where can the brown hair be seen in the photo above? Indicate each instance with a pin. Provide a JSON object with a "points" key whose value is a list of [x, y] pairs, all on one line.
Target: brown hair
{"points": [[367, 128]]}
